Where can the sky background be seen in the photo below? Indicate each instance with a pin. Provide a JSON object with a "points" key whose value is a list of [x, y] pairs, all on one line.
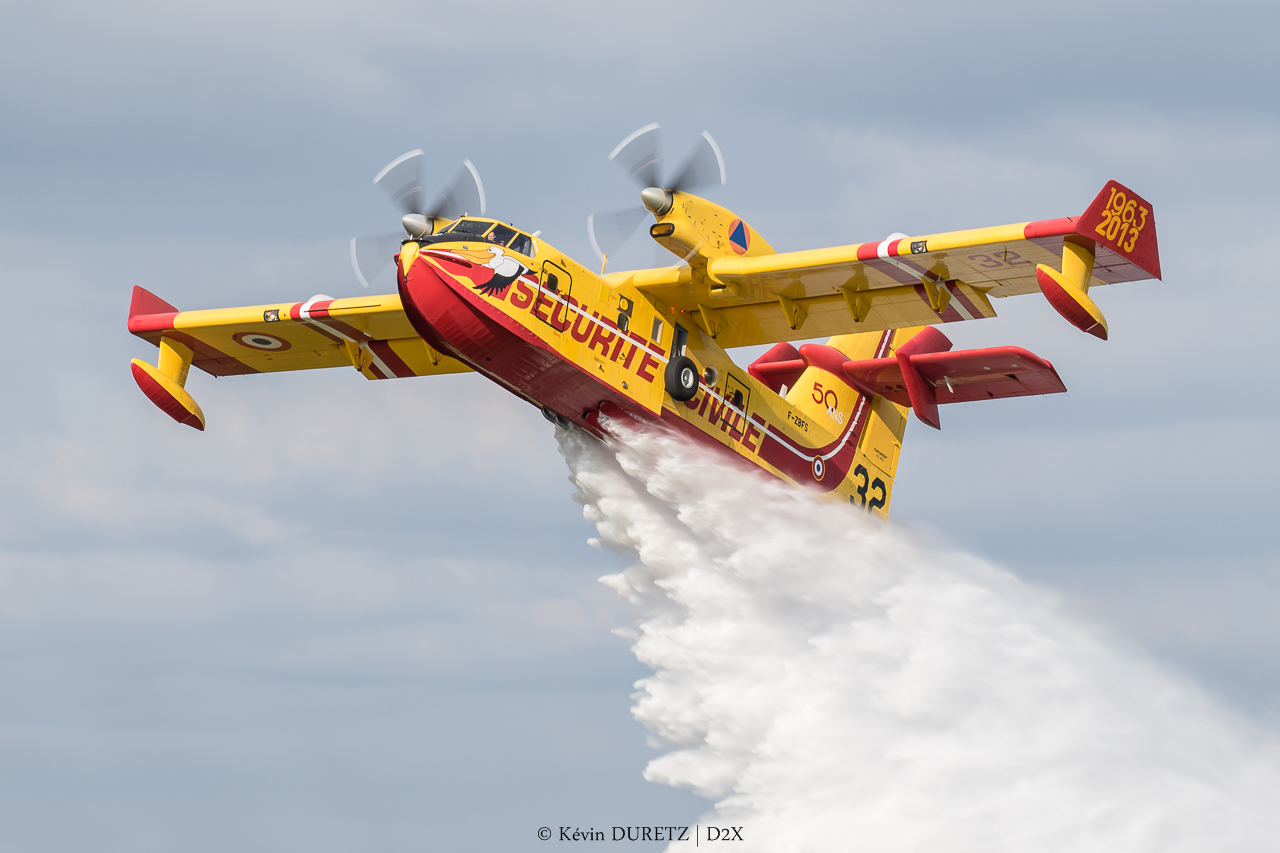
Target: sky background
{"points": [[358, 614]]}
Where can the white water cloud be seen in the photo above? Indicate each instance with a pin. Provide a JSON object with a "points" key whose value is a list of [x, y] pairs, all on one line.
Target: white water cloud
{"points": [[834, 685]]}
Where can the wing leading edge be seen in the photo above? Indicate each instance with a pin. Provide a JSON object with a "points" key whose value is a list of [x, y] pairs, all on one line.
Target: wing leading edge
{"points": [[908, 281], [371, 334]]}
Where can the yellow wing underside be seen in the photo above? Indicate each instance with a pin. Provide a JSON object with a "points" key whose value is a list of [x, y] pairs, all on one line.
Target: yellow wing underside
{"points": [[369, 333], [898, 283]]}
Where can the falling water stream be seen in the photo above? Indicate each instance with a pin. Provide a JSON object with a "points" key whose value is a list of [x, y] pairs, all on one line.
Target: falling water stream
{"points": [[832, 684]]}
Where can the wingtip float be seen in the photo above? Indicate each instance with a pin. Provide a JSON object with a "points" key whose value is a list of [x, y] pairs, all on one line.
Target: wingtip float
{"points": [[164, 385], [480, 295]]}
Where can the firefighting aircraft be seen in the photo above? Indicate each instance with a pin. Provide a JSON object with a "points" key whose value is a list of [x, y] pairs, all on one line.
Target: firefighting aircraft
{"points": [[477, 294]]}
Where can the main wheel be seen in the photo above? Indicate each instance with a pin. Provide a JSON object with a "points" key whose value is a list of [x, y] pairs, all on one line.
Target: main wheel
{"points": [[682, 378]]}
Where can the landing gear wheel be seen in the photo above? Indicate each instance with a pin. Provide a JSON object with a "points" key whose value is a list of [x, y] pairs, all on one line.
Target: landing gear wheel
{"points": [[681, 378]]}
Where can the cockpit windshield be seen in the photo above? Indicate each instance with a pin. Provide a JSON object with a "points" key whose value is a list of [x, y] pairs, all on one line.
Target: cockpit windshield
{"points": [[469, 226], [501, 235]]}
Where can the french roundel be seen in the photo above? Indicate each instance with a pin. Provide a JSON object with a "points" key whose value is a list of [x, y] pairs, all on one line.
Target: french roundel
{"points": [[739, 236], [260, 341], [819, 467]]}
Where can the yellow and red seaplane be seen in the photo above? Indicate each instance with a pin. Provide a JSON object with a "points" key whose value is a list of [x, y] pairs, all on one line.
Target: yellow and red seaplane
{"points": [[477, 294]]}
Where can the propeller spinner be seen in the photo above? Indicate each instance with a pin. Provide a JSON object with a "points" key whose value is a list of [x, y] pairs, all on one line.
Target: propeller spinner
{"points": [[638, 155], [401, 180]]}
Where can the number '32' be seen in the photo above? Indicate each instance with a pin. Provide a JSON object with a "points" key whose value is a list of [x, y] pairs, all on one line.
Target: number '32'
{"points": [[859, 496]]}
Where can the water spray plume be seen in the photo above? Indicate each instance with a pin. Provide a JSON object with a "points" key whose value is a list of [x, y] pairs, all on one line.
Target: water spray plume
{"points": [[834, 685]]}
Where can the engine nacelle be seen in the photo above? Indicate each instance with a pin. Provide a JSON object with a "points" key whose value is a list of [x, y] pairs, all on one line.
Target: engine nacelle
{"points": [[696, 230]]}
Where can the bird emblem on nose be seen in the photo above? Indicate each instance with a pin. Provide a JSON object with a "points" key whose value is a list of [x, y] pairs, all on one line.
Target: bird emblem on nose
{"points": [[506, 269]]}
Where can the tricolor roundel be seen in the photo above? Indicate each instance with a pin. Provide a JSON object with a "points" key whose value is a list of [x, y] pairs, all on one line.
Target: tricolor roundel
{"points": [[819, 467], [739, 236], [259, 341]]}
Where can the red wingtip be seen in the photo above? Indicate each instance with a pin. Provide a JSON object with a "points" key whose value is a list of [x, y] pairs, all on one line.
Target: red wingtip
{"points": [[149, 314], [146, 302], [1124, 222]]}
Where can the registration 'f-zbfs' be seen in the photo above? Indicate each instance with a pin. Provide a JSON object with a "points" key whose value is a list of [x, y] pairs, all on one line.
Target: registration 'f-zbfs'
{"points": [[477, 294]]}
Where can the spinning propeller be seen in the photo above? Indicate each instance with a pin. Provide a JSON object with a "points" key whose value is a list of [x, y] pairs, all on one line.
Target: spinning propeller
{"points": [[401, 179], [638, 156]]}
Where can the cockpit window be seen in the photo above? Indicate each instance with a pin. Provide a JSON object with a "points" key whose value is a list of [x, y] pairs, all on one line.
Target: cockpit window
{"points": [[501, 235], [522, 244], [469, 226]]}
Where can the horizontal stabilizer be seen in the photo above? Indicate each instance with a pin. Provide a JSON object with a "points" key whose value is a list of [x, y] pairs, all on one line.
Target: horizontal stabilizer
{"points": [[924, 374], [781, 365], [972, 374]]}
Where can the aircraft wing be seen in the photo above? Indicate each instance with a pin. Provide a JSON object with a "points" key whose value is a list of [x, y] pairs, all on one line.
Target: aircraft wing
{"points": [[369, 333], [908, 281]]}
